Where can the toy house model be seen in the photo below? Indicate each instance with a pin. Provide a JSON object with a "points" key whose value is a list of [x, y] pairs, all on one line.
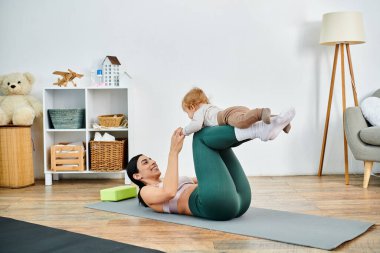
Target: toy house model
{"points": [[111, 71]]}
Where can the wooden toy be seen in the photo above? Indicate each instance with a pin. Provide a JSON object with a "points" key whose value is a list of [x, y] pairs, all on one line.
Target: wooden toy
{"points": [[66, 77]]}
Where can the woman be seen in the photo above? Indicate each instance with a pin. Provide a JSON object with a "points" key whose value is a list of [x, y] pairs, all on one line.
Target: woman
{"points": [[221, 190]]}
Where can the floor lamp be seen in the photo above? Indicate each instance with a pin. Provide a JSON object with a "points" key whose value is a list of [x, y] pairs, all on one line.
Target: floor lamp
{"points": [[340, 29]]}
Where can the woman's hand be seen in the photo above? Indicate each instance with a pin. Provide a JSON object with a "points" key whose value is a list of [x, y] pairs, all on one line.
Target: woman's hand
{"points": [[177, 141]]}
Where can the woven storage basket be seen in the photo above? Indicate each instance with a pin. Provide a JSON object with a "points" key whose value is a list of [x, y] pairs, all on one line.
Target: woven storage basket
{"points": [[67, 118], [113, 120], [108, 155], [16, 157]]}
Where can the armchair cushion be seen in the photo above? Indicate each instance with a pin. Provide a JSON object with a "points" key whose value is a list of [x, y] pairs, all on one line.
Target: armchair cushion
{"points": [[371, 110], [354, 122], [370, 135]]}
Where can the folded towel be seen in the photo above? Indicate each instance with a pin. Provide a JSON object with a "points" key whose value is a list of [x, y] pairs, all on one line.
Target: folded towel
{"points": [[105, 137]]}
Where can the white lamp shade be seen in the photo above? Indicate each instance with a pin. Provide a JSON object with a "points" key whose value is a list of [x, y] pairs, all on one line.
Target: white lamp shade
{"points": [[342, 27]]}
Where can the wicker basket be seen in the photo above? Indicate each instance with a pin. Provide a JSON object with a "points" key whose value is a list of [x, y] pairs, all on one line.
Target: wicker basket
{"points": [[113, 120], [108, 155], [16, 157], [67, 118]]}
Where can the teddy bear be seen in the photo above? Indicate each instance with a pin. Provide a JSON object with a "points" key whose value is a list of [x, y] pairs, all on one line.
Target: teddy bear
{"points": [[17, 106]]}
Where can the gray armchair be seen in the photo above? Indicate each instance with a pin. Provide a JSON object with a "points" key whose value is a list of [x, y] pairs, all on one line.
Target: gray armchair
{"points": [[363, 139]]}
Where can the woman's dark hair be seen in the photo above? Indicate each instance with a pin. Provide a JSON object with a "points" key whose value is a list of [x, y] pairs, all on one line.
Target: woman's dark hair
{"points": [[132, 169]]}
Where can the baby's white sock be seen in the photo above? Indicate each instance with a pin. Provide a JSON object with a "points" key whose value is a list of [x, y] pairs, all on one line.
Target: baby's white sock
{"points": [[266, 131], [257, 130]]}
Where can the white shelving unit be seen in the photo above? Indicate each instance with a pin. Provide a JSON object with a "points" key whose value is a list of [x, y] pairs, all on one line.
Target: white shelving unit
{"points": [[96, 101]]}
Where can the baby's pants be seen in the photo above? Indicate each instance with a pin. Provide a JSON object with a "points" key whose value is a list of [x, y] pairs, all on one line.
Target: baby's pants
{"points": [[223, 190], [239, 116]]}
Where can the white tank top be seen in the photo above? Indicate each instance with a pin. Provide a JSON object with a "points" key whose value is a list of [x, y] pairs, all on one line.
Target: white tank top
{"points": [[171, 206]]}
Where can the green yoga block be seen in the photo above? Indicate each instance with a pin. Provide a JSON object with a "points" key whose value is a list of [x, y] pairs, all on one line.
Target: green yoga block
{"points": [[118, 193]]}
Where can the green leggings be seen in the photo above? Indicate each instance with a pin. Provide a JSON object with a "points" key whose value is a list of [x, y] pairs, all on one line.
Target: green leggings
{"points": [[223, 191]]}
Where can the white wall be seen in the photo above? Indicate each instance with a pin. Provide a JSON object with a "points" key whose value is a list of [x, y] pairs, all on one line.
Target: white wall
{"points": [[258, 53]]}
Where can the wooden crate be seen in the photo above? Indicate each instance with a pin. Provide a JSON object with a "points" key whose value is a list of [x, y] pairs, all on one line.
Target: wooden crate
{"points": [[67, 157]]}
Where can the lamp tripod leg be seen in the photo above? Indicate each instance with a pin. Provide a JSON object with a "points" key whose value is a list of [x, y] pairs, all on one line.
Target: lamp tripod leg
{"points": [[354, 93], [328, 111], [346, 175]]}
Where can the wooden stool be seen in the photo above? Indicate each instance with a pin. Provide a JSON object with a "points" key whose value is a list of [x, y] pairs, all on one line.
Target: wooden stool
{"points": [[16, 156]]}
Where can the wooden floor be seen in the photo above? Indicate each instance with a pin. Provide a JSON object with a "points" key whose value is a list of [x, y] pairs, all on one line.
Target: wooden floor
{"points": [[62, 206]]}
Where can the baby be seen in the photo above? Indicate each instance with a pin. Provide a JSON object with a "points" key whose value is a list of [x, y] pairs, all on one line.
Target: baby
{"points": [[202, 113]]}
